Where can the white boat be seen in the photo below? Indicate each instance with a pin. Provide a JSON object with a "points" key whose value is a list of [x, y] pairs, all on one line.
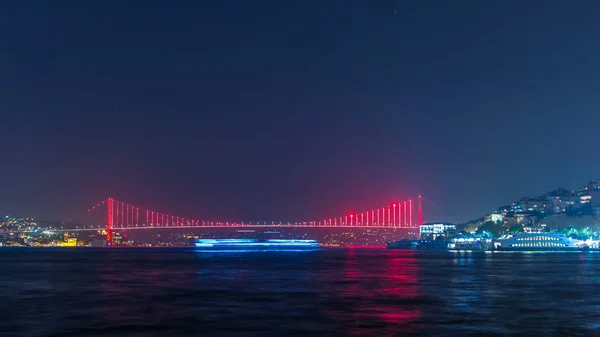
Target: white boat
{"points": [[538, 241]]}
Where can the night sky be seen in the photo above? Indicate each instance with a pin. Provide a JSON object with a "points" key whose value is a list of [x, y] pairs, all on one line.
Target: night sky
{"points": [[292, 110]]}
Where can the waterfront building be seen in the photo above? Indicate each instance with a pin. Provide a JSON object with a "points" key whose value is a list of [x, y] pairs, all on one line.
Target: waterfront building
{"points": [[431, 231], [535, 228], [525, 219], [469, 244], [494, 217], [69, 242]]}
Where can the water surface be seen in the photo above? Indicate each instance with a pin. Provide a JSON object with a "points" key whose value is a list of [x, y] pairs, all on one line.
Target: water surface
{"points": [[338, 292]]}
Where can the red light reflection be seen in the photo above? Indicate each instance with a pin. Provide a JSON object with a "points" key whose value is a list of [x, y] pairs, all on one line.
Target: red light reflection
{"points": [[376, 293]]}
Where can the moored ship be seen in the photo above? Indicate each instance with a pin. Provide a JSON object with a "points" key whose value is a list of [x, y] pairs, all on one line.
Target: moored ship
{"points": [[419, 244], [538, 241], [256, 245], [403, 244], [469, 244]]}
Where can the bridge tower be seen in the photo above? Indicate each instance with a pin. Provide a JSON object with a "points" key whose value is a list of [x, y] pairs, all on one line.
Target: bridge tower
{"points": [[109, 221], [420, 212]]}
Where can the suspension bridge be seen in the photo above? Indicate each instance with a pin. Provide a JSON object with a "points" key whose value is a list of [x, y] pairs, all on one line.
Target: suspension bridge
{"points": [[124, 216]]}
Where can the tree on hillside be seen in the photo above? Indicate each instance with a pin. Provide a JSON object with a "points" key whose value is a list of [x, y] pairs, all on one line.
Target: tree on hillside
{"points": [[518, 228], [461, 234], [440, 238], [585, 233], [560, 192], [579, 233], [489, 229], [471, 226], [570, 232]]}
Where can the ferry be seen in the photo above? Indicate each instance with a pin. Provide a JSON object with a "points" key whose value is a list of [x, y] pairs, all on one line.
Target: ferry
{"points": [[256, 245], [538, 241]]}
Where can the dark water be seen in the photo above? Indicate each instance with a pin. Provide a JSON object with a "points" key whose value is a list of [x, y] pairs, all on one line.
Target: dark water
{"points": [[360, 292]]}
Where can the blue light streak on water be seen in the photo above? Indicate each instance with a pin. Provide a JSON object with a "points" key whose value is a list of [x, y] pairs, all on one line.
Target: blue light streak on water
{"points": [[253, 250], [246, 244]]}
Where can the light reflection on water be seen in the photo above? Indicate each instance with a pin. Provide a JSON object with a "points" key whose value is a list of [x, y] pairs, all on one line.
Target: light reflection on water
{"points": [[351, 292]]}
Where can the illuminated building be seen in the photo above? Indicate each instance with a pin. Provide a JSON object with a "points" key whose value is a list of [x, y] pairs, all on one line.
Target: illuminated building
{"points": [[434, 230], [71, 242], [494, 217]]}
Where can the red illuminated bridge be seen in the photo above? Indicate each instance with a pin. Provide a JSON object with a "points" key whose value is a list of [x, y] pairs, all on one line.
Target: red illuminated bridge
{"points": [[120, 215]]}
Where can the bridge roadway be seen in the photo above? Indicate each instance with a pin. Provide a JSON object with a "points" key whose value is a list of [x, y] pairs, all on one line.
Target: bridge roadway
{"points": [[383, 226]]}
